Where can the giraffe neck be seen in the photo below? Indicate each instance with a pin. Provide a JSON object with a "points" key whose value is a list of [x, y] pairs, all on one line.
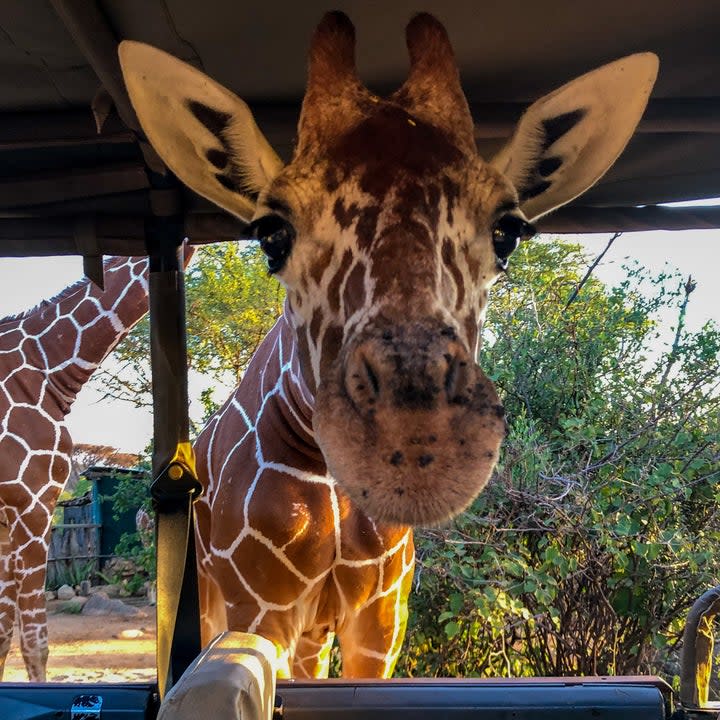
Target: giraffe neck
{"points": [[68, 336], [283, 392], [330, 567]]}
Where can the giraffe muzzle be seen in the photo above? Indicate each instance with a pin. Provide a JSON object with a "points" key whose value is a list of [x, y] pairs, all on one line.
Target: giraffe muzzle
{"points": [[391, 368], [409, 425]]}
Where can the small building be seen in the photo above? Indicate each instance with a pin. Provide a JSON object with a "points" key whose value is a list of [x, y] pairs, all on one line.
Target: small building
{"points": [[85, 540]]}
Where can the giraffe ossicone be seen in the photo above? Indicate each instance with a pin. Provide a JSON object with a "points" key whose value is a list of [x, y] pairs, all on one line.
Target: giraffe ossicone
{"points": [[388, 230]]}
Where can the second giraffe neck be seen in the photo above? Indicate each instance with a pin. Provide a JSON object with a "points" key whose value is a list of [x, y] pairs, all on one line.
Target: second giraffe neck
{"points": [[68, 336]]}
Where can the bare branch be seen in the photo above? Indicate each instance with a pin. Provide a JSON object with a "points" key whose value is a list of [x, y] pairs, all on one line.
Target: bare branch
{"points": [[595, 263]]}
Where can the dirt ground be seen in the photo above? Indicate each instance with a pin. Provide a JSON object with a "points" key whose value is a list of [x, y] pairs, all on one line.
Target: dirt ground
{"points": [[93, 649]]}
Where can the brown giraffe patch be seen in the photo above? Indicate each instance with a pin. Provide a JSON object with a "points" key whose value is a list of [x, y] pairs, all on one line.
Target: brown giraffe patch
{"points": [[391, 137], [321, 263], [366, 227], [451, 193], [357, 585], [331, 344], [106, 327], [86, 312], [354, 294], [24, 421], [254, 559], [333, 291], [316, 324], [409, 244], [65, 335], [345, 216]]}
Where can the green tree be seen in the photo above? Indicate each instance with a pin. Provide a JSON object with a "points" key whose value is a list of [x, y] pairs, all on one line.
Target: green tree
{"points": [[232, 304], [599, 527]]}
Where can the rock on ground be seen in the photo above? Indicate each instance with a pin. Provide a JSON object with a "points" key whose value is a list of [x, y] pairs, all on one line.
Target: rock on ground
{"points": [[109, 590], [100, 604], [65, 592]]}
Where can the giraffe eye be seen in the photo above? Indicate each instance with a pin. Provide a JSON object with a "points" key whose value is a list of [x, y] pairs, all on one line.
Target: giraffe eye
{"points": [[276, 237], [507, 233]]}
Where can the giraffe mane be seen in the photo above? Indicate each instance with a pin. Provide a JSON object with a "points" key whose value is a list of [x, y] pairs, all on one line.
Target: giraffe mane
{"points": [[45, 302], [64, 294]]}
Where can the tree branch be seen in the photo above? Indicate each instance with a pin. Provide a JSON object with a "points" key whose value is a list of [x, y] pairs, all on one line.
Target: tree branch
{"points": [[595, 263]]}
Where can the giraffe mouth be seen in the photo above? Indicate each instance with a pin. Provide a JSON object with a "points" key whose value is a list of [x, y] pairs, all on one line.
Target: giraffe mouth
{"points": [[409, 426]]}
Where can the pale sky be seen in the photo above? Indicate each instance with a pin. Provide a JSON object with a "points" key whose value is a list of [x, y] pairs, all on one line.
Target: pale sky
{"points": [[25, 281]]}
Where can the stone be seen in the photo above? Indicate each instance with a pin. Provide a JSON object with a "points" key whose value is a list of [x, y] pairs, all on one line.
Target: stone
{"points": [[100, 604], [73, 606], [129, 634], [50, 595], [65, 592], [112, 591]]}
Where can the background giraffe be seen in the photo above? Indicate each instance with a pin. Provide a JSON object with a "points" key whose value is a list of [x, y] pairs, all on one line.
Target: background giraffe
{"points": [[363, 411], [46, 356]]}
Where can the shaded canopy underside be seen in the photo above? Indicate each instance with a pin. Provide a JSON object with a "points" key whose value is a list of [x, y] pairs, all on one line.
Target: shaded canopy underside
{"points": [[65, 188]]}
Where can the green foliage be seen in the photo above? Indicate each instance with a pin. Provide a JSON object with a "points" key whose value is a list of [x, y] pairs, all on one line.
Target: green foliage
{"points": [[232, 304], [131, 493], [72, 573], [141, 552], [600, 525]]}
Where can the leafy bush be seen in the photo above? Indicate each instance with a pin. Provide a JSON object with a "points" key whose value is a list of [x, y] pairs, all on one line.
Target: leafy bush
{"points": [[69, 573], [599, 527], [132, 493]]}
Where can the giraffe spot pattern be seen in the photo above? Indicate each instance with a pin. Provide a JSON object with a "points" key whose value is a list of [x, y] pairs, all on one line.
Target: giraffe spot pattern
{"points": [[46, 355], [313, 572]]}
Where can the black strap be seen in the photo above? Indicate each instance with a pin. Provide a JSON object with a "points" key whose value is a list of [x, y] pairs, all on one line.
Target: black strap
{"points": [[178, 611], [175, 486]]}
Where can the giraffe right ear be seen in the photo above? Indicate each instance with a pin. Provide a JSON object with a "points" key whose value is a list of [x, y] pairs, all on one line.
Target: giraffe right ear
{"points": [[205, 134]]}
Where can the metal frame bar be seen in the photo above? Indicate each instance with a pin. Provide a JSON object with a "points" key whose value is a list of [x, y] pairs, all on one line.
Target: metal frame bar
{"points": [[494, 120], [113, 234], [697, 651], [95, 39]]}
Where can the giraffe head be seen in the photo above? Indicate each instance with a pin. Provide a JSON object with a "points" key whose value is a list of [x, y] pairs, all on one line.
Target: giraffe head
{"points": [[388, 230]]}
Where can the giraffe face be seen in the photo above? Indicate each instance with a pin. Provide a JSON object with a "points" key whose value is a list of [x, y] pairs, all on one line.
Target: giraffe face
{"points": [[388, 231], [393, 245]]}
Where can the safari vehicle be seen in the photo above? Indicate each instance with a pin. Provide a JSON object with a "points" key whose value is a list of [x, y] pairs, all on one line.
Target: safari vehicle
{"points": [[78, 176]]}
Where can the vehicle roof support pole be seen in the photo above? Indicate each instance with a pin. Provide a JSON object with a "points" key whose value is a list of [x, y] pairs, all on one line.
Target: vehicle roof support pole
{"points": [[175, 485]]}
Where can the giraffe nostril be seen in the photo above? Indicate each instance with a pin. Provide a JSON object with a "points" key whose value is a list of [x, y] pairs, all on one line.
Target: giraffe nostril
{"points": [[362, 380], [372, 377], [456, 380]]}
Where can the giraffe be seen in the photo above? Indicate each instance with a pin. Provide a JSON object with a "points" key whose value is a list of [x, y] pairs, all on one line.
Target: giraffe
{"points": [[363, 412], [46, 356]]}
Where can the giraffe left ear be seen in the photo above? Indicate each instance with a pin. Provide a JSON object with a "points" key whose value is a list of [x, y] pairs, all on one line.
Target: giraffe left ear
{"points": [[567, 140], [205, 133]]}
